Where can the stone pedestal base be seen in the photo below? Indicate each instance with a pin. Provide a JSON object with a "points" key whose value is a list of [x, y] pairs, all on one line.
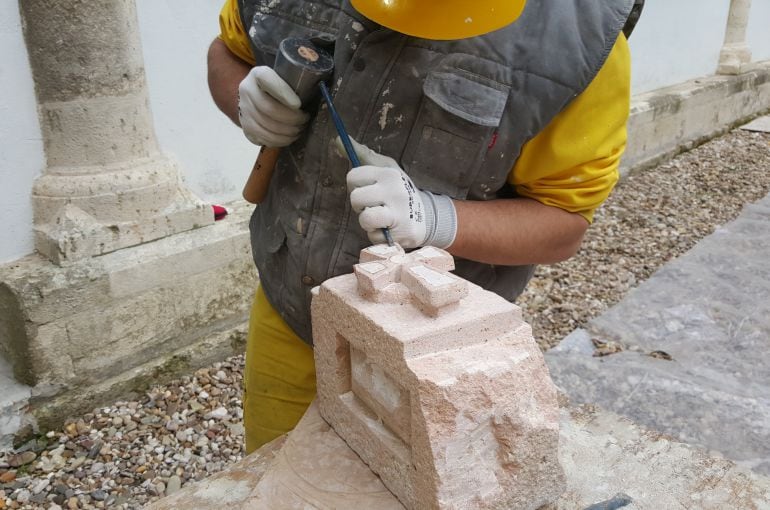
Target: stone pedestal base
{"points": [[734, 58], [103, 326], [80, 215]]}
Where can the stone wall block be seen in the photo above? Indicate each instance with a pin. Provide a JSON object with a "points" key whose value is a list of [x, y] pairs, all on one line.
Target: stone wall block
{"points": [[453, 409], [668, 121], [68, 329]]}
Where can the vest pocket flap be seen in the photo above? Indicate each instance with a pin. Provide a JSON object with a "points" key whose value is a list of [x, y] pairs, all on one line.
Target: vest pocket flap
{"points": [[468, 99], [270, 28]]}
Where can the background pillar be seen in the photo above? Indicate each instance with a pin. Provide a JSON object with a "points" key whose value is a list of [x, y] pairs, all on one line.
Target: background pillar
{"points": [[106, 185], [735, 52]]}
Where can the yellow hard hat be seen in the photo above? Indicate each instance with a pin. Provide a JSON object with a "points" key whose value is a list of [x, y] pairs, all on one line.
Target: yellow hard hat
{"points": [[441, 19]]}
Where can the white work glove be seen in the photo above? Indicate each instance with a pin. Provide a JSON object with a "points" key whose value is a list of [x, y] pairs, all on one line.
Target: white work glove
{"points": [[383, 195], [269, 109]]}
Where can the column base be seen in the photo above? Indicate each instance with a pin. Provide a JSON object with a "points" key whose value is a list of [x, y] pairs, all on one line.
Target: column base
{"points": [[87, 213], [734, 59]]}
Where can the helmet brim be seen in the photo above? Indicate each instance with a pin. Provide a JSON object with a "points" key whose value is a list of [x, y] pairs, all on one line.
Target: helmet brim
{"points": [[452, 19]]}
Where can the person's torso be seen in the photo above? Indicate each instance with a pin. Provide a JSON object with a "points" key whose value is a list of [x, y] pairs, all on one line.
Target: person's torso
{"points": [[454, 114]]}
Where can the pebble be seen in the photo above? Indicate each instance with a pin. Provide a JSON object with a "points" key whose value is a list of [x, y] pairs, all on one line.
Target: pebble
{"points": [[93, 452], [38, 498], [41, 486], [174, 484], [219, 413], [8, 477], [21, 459], [23, 496], [99, 495]]}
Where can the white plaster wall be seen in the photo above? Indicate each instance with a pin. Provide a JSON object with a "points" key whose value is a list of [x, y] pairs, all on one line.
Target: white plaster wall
{"points": [[215, 158], [21, 146], [758, 33], [677, 40]]}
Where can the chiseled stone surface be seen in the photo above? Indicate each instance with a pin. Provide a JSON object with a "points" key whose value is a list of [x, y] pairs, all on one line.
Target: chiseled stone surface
{"points": [[316, 469], [436, 384]]}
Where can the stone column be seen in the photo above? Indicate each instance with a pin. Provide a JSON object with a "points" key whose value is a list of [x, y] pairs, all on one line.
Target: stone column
{"points": [[106, 186], [735, 52]]}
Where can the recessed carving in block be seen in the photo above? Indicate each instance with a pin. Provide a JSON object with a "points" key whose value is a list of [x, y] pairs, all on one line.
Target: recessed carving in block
{"points": [[386, 397]]}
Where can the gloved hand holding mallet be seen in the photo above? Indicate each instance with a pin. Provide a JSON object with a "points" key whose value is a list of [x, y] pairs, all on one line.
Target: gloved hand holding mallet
{"points": [[270, 102]]}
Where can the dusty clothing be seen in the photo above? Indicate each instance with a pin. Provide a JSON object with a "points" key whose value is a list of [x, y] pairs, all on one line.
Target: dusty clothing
{"points": [[279, 380], [455, 115]]}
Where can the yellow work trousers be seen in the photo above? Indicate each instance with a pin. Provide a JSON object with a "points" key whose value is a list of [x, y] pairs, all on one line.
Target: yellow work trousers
{"points": [[279, 379]]}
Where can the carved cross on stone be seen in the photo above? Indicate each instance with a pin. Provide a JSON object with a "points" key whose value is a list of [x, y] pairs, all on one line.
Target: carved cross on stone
{"points": [[388, 275]]}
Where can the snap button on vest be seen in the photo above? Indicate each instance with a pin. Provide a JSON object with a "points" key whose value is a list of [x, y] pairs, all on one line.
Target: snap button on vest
{"points": [[359, 64], [308, 280]]}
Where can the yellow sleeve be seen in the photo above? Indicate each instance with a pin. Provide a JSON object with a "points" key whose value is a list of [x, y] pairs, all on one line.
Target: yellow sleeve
{"points": [[231, 32], [573, 163]]}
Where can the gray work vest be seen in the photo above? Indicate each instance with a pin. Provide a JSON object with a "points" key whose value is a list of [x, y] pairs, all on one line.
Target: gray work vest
{"points": [[454, 114]]}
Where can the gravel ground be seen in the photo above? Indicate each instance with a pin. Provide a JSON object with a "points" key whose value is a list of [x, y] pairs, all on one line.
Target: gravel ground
{"points": [[131, 453]]}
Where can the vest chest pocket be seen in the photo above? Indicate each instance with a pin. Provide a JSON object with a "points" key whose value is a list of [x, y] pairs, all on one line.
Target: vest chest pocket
{"points": [[271, 25], [456, 124]]}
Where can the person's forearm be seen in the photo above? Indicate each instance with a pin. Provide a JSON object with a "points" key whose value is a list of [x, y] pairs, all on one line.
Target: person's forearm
{"points": [[515, 232], [225, 73]]}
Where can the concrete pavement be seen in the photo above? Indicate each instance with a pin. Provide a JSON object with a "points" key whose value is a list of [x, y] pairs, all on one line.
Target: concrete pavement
{"points": [[695, 340]]}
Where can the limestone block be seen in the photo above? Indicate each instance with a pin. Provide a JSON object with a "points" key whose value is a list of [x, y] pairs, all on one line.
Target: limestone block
{"points": [[667, 121], [75, 332], [437, 384]]}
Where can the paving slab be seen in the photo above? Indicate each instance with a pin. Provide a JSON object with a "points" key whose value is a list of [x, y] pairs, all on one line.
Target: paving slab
{"points": [[695, 341], [761, 124]]}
